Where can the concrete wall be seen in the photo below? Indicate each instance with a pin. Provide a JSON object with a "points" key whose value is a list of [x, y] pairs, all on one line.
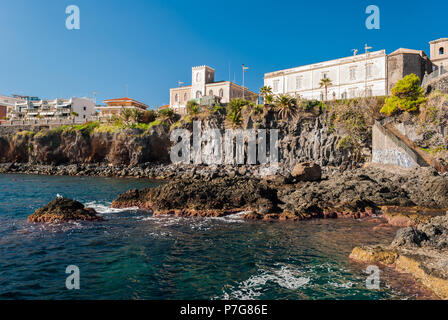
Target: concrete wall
{"points": [[387, 149]]}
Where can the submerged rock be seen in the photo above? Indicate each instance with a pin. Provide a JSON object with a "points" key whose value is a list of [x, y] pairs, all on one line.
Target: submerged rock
{"points": [[421, 251], [64, 210]]}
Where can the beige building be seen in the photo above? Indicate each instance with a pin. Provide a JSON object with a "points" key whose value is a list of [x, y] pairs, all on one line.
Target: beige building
{"points": [[204, 85], [439, 52], [114, 107]]}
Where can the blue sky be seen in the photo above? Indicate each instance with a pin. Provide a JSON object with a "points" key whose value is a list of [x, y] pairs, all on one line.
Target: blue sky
{"points": [[150, 45]]}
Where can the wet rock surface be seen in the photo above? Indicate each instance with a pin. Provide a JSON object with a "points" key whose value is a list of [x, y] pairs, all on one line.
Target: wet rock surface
{"points": [[356, 194], [193, 197], [64, 210], [421, 251]]}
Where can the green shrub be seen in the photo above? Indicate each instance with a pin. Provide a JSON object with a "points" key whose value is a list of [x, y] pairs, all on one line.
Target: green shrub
{"points": [[193, 108], [407, 95]]}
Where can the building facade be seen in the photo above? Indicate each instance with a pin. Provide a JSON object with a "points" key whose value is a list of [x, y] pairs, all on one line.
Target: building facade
{"points": [[203, 84], [403, 62], [350, 77], [7, 104], [114, 107], [439, 52], [368, 74], [78, 109]]}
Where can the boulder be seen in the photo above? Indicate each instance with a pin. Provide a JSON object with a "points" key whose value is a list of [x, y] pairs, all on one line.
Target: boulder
{"points": [[307, 171], [64, 210]]}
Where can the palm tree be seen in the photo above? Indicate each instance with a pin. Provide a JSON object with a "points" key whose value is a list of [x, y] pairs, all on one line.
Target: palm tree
{"points": [[166, 115], [286, 106], [136, 115], [266, 92], [325, 83], [126, 115]]}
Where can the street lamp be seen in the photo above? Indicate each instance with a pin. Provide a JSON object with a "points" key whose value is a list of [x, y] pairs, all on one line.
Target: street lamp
{"points": [[244, 71]]}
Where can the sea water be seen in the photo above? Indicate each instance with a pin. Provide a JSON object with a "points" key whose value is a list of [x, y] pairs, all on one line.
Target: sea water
{"points": [[133, 255]]}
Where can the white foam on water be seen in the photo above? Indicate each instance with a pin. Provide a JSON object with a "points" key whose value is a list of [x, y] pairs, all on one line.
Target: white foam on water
{"points": [[346, 285], [286, 277], [105, 208]]}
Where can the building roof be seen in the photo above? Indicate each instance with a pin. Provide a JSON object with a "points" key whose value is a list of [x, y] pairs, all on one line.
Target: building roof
{"points": [[411, 51], [126, 99], [167, 106], [438, 40]]}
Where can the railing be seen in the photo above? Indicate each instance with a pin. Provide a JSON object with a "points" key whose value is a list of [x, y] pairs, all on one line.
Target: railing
{"points": [[41, 122], [435, 74]]}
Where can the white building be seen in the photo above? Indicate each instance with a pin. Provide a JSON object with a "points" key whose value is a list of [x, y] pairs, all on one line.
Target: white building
{"points": [[203, 84], [79, 109], [351, 77]]}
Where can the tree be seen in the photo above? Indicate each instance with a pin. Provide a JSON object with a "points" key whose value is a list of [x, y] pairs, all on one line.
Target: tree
{"points": [[193, 107], [265, 92], [126, 115], [286, 106], [136, 115], [325, 83], [166, 115], [234, 111], [407, 95]]}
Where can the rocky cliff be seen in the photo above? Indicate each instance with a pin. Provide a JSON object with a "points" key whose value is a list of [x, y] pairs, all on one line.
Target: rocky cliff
{"points": [[313, 136], [56, 147]]}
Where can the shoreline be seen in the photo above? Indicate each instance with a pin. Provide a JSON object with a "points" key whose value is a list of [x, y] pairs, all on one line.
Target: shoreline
{"points": [[406, 199]]}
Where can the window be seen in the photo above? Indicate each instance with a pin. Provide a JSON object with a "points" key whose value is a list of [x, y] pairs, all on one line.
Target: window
{"points": [[352, 92], [369, 91], [352, 73], [299, 82], [344, 95], [198, 94], [210, 93], [198, 77], [369, 69], [276, 84], [324, 75], [221, 93], [176, 98], [441, 51], [84, 108], [185, 96]]}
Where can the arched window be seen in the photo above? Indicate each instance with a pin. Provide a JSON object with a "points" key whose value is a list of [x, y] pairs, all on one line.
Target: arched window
{"points": [[198, 94], [198, 77], [221, 93], [176, 98], [210, 93], [441, 51], [185, 96]]}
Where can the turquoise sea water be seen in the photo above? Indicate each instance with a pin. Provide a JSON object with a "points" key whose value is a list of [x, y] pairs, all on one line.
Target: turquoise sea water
{"points": [[132, 255]]}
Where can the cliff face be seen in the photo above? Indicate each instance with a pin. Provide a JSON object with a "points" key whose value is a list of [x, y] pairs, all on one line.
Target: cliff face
{"points": [[128, 147], [311, 137]]}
